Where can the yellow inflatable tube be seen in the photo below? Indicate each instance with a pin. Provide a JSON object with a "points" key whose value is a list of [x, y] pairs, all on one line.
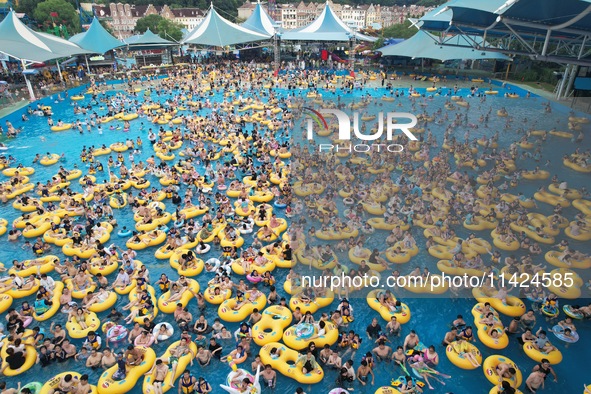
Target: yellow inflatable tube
{"points": [[168, 307], [402, 315], [313, 306], [54, 382], [458, 359], [287, 365], [106, 384], [291, 339], [65, 126], [49, 264], [227, 313], [554, 357], [104, 305], [30, 359], [275, 319], [489, 367], [49, 160], [55, 306], [76, 331], [20, 293], [183, 363], [514, 307]]}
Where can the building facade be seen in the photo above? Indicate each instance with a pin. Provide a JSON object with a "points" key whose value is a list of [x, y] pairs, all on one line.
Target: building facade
{"points": [[296, 15], [123, 17]]}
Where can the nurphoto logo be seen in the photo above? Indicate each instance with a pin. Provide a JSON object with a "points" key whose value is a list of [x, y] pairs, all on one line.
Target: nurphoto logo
{"points": [[345, 127]]}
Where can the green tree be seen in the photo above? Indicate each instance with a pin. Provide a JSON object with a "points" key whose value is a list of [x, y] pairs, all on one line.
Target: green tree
{"points": [[148, 22], [430, 3], [106, 26], [227, 8], [158, 25], [66, 15], [399, 30], [26, 6]]}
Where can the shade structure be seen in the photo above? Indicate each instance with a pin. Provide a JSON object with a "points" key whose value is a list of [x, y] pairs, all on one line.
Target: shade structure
{"points": [[260, 21], [437, 19], [567, 18], [96, 39], [426, 45], [326, 27], [148, 40], [20, 42], [216, 31]]}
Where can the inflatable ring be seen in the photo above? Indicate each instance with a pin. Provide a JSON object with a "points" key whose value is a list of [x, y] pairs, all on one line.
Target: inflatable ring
{"points": [[30, 358], [275, 319], [203, 250], [279, 205], [286, 364], [34, 387], [109, 385], [116, 334], [124, 234], [554, 357], [66, 126], [459, 360], [304, 330], [550, 310], [568, 310], [558, 331], [168, 326], [489, 367], [254, 279]]}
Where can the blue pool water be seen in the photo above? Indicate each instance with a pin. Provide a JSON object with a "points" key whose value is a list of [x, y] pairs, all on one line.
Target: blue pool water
{"points": [[430, 317]]}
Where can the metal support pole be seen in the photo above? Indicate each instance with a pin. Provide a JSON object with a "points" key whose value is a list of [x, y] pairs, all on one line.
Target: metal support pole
{"points": [[582, 50], [507, 72], [59, 70], [546, 42], [352, 53], [571, 81], [562, 81], [276, 52], [87, 67], [29, 86]]}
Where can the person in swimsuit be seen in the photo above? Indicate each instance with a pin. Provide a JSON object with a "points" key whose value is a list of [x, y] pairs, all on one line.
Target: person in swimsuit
{"points": [[430, 356], [411, 341], [203, 386], [467, 334], [159, 371], [461, 348], [176, 353], [546, 368], [203, 356], [188, 383], [308, 362]]}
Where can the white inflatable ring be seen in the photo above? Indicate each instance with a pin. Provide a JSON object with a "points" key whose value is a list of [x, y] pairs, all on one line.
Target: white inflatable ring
{"points": [[205, 249], [168, 326], [215, 262]]}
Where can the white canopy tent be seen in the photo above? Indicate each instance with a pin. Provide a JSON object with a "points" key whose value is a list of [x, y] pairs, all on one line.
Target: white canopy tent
{"points": [[217, 31], [20, 42], [428, 46], [260, 22], [326, 27]]}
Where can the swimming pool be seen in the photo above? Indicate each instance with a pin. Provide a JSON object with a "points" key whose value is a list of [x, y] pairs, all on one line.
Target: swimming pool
{"points": [[430, 326]]}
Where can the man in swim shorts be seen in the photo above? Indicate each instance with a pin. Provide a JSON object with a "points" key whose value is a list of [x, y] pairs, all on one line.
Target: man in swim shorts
{"points": [[175, 354], [160, 370]]}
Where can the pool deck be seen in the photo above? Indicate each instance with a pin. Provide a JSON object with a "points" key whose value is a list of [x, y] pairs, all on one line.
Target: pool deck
{"points": [[4, 111]]}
